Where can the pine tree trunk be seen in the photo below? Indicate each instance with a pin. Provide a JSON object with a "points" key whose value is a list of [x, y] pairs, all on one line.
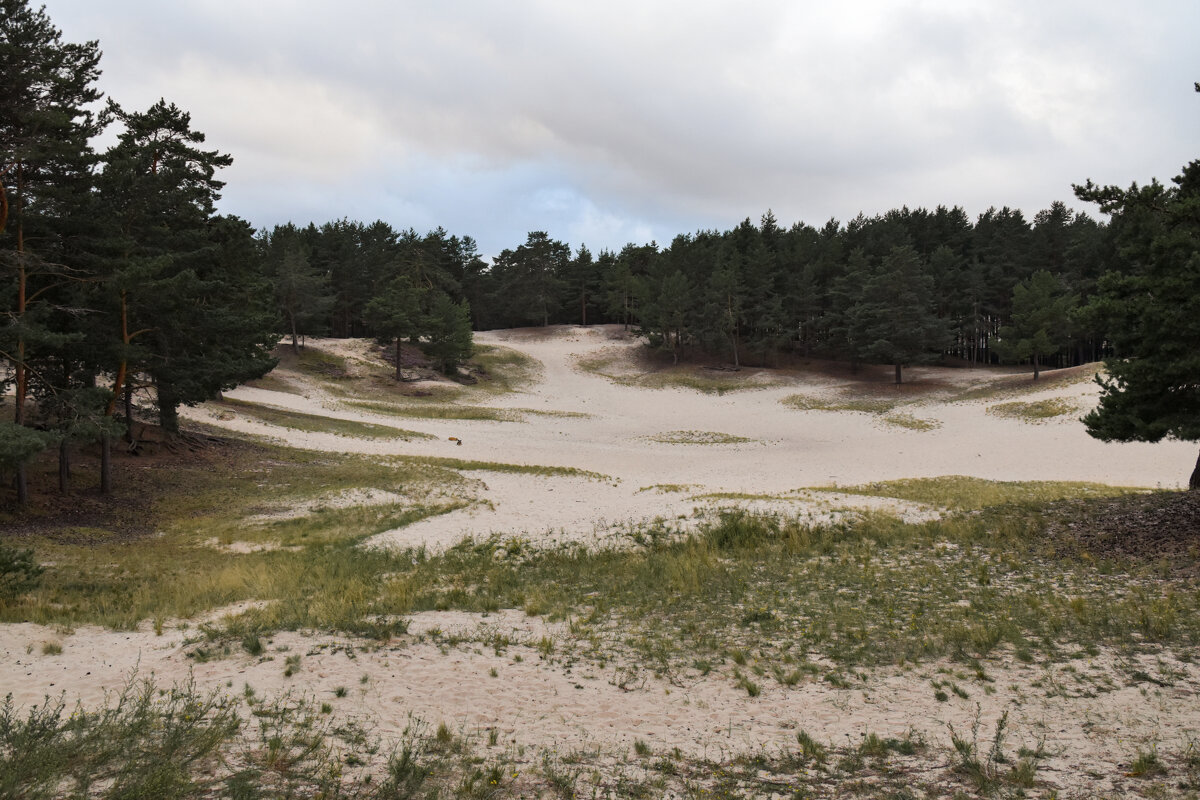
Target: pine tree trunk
{"points": [[128, 412], [20, 377], [64, 466], [399, 374], [898, 368], [1035, 366], [21, 482], [168, 411], [105, 464], [1194, 481]]}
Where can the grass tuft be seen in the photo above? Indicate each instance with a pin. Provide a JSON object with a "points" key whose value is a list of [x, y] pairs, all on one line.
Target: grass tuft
{"points": [[1037, 411], [315, 423], [697, 437]]}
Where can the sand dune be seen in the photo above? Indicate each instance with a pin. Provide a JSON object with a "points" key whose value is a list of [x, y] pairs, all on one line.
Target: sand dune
{"points": [[654, 449]]}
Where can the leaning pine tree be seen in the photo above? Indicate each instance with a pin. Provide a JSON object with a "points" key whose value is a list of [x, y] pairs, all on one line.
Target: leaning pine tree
{"points": [[1151, 308]]}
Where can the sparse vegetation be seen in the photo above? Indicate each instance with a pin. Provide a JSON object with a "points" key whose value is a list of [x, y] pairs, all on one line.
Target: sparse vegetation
{"points": [[697, 437], [865, 405], [765, 604], [503, 369], [962, 492], [902, 420], [314, 423], [1037, 411], [438, 411]]}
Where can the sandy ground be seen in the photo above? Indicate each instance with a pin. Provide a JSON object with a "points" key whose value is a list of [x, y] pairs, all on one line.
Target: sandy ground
{"points": [[552, 703], [787, 449], [549, 704]]}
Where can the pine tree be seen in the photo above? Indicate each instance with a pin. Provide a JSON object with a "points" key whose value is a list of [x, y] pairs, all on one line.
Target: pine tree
{"points": [[188, 319], [303, 294], [395, 313], [1041, 319], [46, 89], [583, 279], [448, 331], [894, 321], [1151, 310], [726, 304], [530, 279]]}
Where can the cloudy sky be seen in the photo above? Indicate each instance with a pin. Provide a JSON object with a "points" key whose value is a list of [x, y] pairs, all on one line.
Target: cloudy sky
{"points": [[610, 122]]}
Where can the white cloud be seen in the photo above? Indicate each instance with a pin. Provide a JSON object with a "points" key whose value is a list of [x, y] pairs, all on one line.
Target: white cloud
{"points": [[639, 116]]}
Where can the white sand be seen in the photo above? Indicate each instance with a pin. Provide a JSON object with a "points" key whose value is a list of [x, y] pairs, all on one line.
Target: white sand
{"points": [[788, 449], [550, 703]]}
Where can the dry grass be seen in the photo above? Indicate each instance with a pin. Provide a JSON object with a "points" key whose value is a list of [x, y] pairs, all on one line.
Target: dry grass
{"points": [[1035, 412]]}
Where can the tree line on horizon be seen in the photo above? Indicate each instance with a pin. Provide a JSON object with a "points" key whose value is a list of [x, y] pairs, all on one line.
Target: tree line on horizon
{"points": [[899, 288], [120, 280]]}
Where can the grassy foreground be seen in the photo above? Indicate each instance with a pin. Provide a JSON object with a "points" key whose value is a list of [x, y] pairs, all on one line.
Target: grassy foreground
{"points": [[758, 601]]}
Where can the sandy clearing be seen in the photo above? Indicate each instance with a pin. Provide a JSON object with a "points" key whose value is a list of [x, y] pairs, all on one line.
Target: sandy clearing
{"points": [[787, 449], [563, 705]]}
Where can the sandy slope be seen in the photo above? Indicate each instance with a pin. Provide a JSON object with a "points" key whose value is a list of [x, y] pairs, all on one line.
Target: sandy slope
{"points": [[787, 449]]}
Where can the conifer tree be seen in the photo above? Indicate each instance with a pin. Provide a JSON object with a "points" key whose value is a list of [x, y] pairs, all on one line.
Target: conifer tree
{"points": [[583, 279], [395, 313], [303, 294], [894, 322], [530, 278], [188, 318], [448, 329], [1041, 318], [46, 89], [1151, 310]]}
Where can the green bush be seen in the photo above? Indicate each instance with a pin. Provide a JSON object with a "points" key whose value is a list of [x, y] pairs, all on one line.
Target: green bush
{"points": [[18, 572]]}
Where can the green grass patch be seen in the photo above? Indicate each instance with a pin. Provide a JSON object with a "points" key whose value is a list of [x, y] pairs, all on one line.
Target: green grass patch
{"points": [[315, 423], [160, 564], [743, 496], [319, 364], [499, 466], [274, 383], [966, 493], [865, 405], [899, 419], [868, 591], [667, 488], [1038, 411], [504, 369], [440, 411], [706, 381], [697, 437], [609, 365], [1019, 385], [601, 363]]}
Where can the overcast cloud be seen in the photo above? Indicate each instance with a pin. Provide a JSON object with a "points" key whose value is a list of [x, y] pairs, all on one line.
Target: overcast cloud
{"points": [[605, 123]]}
